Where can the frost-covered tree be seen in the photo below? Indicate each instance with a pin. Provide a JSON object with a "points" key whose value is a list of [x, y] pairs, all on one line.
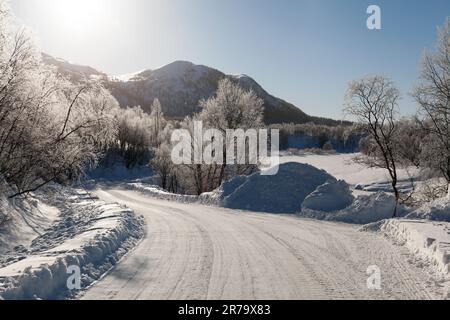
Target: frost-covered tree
{"points": [[231, 108], [164, 167], [50, 129], [138, 133], [158, 123], [134, 137], [433, 98], [373, 101]]}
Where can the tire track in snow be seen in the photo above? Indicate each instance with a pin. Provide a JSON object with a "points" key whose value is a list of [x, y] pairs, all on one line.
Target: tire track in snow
{"points": [[198, 252]]}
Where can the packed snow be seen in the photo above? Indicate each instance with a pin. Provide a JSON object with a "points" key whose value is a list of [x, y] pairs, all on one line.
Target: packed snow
{"points": [[428, 242], [280, 193], [198, 252], [331, 196], [364, 209]]}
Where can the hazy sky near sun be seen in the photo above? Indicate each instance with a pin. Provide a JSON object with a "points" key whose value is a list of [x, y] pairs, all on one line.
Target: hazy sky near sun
{"points": [[304, 51]]}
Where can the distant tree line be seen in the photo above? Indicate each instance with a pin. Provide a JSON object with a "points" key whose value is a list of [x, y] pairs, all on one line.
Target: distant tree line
{"points": [[341, 132]]}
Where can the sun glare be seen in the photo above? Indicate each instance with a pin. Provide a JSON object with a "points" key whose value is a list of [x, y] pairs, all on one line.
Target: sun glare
{"points": [[81, 16]]}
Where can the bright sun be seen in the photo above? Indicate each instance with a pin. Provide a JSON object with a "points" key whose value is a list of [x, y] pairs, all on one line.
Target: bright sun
{"points": [[80, 15]]}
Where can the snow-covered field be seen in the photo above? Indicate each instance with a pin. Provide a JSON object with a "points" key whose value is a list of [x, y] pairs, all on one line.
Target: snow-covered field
{"points": [[342, 167]]}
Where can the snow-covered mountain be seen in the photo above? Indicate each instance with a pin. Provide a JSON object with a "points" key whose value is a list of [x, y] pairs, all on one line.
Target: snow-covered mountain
{"points": [[179, 86], [72, 71]]}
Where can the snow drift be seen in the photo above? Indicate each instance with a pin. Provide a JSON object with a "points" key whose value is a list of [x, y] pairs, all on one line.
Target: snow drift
{"points": [[280, 193], [92, 235], [363, 210], [22, 220]]}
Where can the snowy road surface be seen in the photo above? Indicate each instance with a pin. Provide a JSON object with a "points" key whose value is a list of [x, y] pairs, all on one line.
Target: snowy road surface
{"points": [[197, 252]]}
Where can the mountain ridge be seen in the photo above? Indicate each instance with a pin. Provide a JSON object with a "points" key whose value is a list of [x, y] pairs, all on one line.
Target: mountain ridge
{"points": [[179, 86]]}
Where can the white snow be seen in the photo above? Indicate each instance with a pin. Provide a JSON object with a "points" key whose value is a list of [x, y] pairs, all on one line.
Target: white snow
{"points": [[91, 234], [428, 240], [331, 196], [126, 77], [296, 189], [365, 209], [159, 193], [198, 252], [22, 220], [342, 167], [438, 210], [280, 193]]}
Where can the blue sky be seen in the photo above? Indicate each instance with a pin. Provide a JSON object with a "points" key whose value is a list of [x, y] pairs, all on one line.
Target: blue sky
{"points": [[304, 51]]}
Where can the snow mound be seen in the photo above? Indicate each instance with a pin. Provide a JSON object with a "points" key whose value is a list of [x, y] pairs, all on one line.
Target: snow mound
{"points": [[280, 193], [93, 237], [329, 197], [364, 210], [438, 210]]}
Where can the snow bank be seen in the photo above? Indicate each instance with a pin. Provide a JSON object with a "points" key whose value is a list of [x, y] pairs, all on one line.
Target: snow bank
{"points": [[159, 193], [213, 198], [365, 209], [21, 221], [280, 193], [92, 236], [428, 240]]}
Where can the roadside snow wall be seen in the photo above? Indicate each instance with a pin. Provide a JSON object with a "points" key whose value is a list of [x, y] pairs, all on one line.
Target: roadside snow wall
{"points": [[428, 240], [93, 238]]}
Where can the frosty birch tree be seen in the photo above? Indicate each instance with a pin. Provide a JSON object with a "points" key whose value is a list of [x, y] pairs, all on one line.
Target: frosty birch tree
{"points": [[433, 98], [373, 101], [232, 108]]}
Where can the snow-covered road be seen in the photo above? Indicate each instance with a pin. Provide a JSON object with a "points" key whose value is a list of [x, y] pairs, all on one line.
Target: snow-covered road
{"points": [[197, 252]]}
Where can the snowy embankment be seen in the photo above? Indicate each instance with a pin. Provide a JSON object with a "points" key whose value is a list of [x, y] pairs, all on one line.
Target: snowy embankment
{"points": [[207, 198], [425, 231], [429, 241], [88, 235]]}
